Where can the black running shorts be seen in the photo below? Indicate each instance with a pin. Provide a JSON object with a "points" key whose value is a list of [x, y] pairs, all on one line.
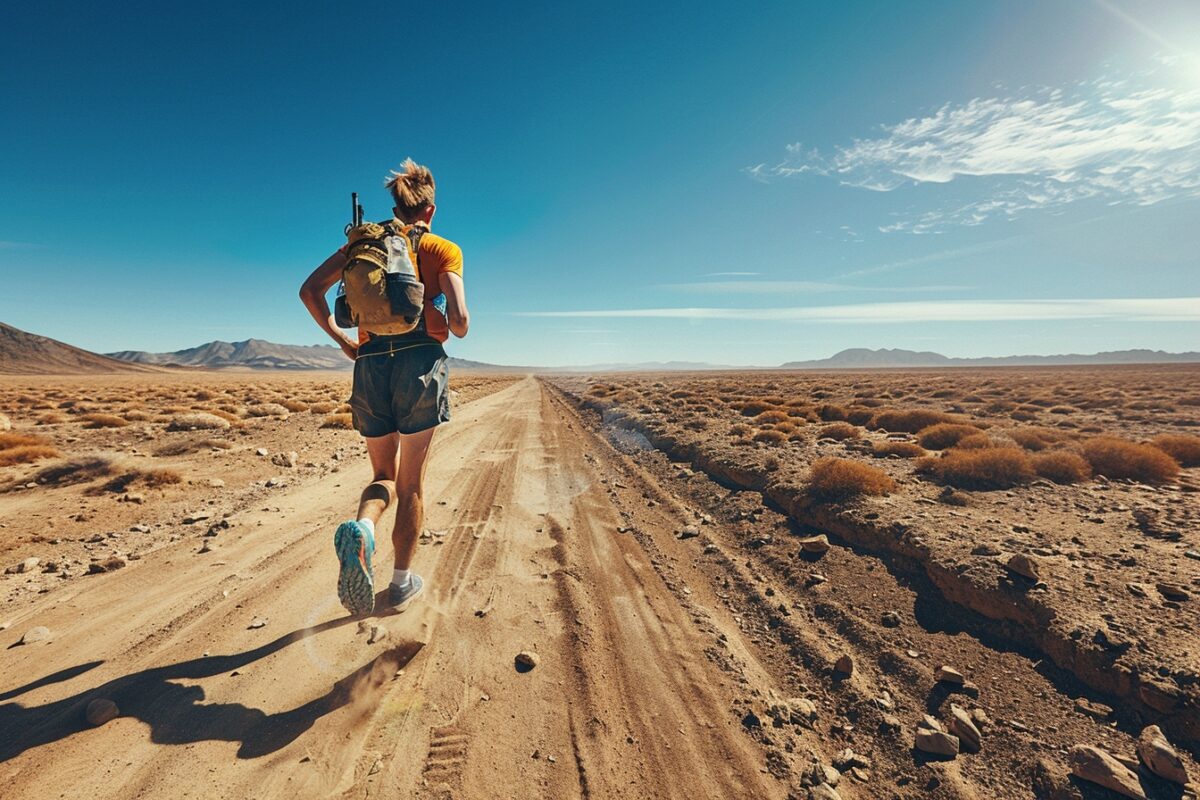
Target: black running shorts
{"points": [[399, 386]]}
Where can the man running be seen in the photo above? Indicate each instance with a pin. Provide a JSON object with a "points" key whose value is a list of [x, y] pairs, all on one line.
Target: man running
{"points": [[399, 395]]}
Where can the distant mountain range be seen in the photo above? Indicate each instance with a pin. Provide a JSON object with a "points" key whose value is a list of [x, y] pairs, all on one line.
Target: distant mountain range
{"points": [[260, 354], [863, 358], [23, 353], [28, 353]]}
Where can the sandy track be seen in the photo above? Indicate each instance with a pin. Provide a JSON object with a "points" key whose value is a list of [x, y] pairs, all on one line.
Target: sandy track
{"points": [[627, 700]]}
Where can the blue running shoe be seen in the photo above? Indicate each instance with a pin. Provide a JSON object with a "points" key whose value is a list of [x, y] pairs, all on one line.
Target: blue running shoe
{"points": [[355, 545], [401, 596]]}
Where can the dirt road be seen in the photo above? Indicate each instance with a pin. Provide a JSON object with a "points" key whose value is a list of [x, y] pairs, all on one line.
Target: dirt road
{"points": [[237, 674]]}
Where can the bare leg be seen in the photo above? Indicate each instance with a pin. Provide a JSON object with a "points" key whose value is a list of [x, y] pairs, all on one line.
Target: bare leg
{"points": [[410, 510], [384, 454]]}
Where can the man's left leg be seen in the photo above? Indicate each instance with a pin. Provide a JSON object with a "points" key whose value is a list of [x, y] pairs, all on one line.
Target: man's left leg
{"points": [[410, 515]]}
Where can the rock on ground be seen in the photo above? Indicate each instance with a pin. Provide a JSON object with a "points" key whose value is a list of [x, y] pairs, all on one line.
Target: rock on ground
{"points": [[1096, 766], [1159, 757]]}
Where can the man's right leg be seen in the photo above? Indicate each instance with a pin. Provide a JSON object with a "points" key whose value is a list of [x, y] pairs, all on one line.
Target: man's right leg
{"points": [[354, 541]]}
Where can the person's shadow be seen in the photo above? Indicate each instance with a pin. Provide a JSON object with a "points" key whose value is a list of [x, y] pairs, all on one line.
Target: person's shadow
{"points": [[176, 714]]}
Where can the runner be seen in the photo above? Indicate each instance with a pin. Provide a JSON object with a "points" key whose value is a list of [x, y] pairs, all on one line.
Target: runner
{"points": [[400, 383]]}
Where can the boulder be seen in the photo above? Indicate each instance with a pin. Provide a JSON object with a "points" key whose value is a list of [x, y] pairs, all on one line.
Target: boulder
{"points": [[1159, 757], [101, 710], [962, 726], [936, 742], [1024, 565], [1096, 766]]}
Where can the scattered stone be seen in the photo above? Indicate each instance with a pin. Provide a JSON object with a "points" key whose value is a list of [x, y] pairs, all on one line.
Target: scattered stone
{"points": [[962, 726], [815, 544], [950, 675], [106, 565], [1023, 565], [823, 791], [688, 533], [206, 547], [1137, 589], [1159, 757], [287, 460], [100, 711], [936, 742], [378, 634], [1093, 709], [198, 516], [1096, 766], [526, 660], [890, 619], [28, 565], [1159, 696], [845, 664], [985, 550], [1051, 781], [139, 529], [980, 718], [848, 759], [262, 451], [39, 633], [1173, 591], [257, 622], [817, 773]]}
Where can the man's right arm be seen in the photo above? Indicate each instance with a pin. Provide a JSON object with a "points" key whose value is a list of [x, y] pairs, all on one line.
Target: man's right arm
{"points": [[312, 293]]}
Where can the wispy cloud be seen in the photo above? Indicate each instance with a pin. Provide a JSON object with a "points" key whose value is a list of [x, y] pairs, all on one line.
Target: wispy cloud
{"points": [[1152, 309], [1134, 141], [730, 274], [794, 287]]}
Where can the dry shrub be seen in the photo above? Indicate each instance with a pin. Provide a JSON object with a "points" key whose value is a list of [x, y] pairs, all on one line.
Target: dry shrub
{"points": [[5, 423], [203, 394], [51, 418], [976, 441], [839, 431], [989, 468], [322, 408], [945, 434], [832, 479], [9, 440], [1021, 415], [771, 437], [774, 415], [136, 415], [339, 421], [1120, 458], [911, 420], [901, 449], [267, 410], [754, 407], [76, 470], [198, 421], [152, 478], [832, 413], [1183, 447], [294, 405], [103, 421], [1035, 439], [27, 454], [1062, 466], [859, 416]]}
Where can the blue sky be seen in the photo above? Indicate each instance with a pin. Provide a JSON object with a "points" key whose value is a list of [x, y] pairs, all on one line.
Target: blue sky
{"points": [[628, 181]]}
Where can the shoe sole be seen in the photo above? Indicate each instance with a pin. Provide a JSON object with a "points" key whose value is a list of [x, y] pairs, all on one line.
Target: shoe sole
{"points": [[356, 589], [398, 607]]}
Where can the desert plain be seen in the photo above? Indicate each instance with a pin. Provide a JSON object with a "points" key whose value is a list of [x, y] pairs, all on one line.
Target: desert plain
{"points": [[960, 583]]}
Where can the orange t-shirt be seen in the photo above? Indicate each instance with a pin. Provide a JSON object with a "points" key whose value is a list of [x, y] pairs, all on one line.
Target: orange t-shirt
{"points": [[436, 255]]}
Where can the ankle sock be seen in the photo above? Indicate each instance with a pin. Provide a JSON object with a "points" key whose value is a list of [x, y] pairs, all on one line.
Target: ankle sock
{"points": [[368, 524], [400, 577]]}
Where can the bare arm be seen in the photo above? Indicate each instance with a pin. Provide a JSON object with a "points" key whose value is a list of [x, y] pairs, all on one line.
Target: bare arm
{"points": [[451, 284], [312, 293]]}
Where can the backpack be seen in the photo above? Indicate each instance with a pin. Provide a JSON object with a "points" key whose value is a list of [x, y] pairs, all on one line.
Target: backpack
{"points": [[381, 289]]}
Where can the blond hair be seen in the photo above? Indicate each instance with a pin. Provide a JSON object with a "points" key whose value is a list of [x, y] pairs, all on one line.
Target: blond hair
{"points": [[412, 188]]}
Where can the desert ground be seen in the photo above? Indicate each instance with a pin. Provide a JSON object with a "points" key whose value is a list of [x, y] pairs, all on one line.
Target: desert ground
{"points": [[869, 584]]}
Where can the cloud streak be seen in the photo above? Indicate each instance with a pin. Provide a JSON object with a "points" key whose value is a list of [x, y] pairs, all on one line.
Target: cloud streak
{"points": [[1153, 309], [794, 287], [1130, 141]]}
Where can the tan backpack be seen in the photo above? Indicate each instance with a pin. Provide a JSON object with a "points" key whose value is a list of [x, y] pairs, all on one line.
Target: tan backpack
{"points": [[381, 289]]}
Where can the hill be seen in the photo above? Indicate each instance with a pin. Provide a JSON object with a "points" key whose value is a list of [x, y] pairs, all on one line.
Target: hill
{"points": [[23, 353], [858, 358], [260, 354]]}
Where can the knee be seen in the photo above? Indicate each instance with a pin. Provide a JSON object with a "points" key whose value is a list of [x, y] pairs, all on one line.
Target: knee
{"points": [[408, 494]]}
